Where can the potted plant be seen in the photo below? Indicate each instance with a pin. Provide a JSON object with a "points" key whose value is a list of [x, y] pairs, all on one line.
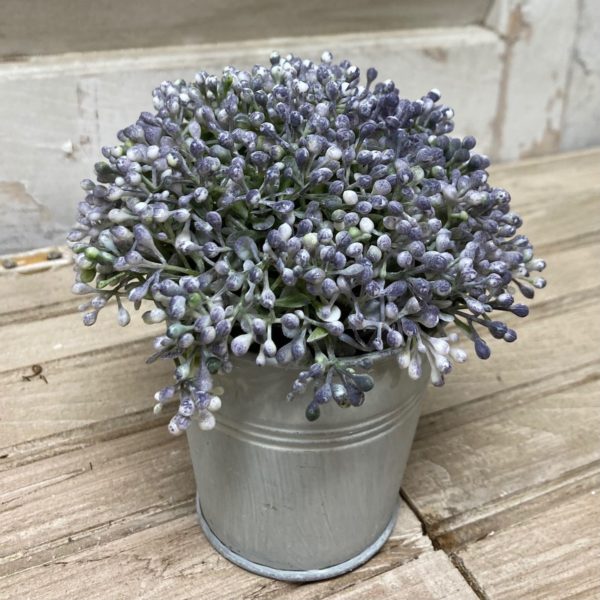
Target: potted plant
{"points": [[306, 239]]}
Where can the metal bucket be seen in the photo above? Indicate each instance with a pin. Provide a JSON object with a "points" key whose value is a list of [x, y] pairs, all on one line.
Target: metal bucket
{"points": [[297, 500]]}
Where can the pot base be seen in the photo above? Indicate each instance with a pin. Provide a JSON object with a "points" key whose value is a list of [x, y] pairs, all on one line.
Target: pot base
{"points": [[291, 575]]}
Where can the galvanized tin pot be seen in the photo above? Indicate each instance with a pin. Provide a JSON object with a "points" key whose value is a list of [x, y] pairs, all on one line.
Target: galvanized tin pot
{"points": [[297, 500]]}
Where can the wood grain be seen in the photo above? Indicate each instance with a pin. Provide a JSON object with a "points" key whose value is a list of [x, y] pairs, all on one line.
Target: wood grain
{"points": [[44, 503], [76, 25], [150, 549], [431, 576], [534, 356], [58, 337], [78, 392], [504, 474], [552, 555], [37, 296], [526, 442]]}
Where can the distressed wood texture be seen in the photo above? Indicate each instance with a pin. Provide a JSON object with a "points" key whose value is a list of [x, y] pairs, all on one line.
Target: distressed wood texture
{"points": [[77, 25], [581, 105], [522, 75], [539, 38], [554, 554], [503, 479], [92, 95], [169, 558], [61, 511]]}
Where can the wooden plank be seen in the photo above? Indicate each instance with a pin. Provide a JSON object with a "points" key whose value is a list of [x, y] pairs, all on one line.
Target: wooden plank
{"points": [[90, 96], [536, 355], [39, 448], [43, 504], [542, 188], [430, 577], [502, 513], [552, 555], [555, 168], [174, 560], [62, 336], [485, 405], [506, 454], [76, 25], [37, 296], [78, 392], [66, 504]]}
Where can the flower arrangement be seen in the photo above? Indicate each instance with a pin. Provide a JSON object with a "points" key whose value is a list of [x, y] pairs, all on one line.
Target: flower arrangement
{"points": [[295, 214]]}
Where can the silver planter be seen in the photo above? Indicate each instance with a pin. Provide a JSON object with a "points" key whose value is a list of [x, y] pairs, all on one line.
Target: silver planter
{"points": [[297, 500]]}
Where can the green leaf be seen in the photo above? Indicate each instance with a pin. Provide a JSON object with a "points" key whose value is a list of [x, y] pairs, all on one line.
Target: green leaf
{"points": [[240, 209], [318, 334], [293, 300]]}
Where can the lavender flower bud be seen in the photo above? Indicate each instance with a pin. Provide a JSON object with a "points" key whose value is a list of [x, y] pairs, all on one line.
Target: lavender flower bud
{"points": [[404, 259], [482, 349], [394, 339], [241, 344], [123, 316], [290, 321], [521, 310], [314, 275], [177, 307]]}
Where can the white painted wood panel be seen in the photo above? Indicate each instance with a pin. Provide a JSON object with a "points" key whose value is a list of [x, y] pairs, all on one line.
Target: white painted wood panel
{"points": [[84, 99], [43, 27]]}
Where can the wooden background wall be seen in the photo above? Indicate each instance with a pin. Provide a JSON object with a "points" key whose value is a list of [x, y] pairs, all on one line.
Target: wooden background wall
{"points": [[522, 75]]}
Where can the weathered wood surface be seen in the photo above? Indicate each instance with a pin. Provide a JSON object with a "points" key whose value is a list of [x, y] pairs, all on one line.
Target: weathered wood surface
{"points": [[430, 576], [38, 408], [77, 25], [92, 95], [554, 554], [92, 65], [503, 478]]}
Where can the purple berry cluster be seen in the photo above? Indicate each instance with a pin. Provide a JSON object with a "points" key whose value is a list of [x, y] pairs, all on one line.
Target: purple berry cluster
{"points": [[299, 215]]}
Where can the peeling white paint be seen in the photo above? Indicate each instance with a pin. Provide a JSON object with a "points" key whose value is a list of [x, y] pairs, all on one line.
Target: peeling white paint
{"points": [[581, 119]]}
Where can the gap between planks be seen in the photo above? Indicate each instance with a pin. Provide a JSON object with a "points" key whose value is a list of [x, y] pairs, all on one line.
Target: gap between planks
{"points": [[550, 554], [514, 488]]}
